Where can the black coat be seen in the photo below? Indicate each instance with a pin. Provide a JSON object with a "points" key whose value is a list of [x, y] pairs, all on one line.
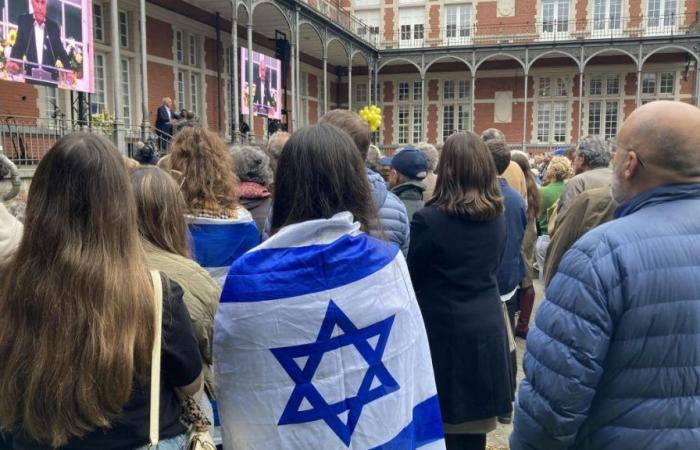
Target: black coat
{"points": [[453, 263], [25, 46]]}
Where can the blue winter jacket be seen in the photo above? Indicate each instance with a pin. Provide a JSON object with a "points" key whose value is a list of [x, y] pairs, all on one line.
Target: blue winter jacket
{"points": [[391, 211], [613, 361], [512, 269]]}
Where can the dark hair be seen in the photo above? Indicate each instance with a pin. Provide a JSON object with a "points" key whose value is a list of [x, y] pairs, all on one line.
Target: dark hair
{"points": [[319, 174], [161, 209], [352, 124], [500, 155], [534, 197], [76, 299], [467, 183]]}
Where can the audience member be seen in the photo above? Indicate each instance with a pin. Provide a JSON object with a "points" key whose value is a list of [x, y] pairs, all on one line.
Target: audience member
{"points": [[457, 244], [252, 166], [432, 157], [161, 218], [408, 170], [513, 175], [274, 147], [321, 271], [612, 359], [222, 230], [373, 157], [393, 220], [76, 346], [10, 234]]}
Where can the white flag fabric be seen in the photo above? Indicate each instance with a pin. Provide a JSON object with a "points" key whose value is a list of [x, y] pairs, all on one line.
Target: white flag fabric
{"points": [[319, 344]]}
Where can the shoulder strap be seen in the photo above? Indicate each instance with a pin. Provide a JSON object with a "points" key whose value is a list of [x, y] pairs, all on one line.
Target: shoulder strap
{"points": [[154, 428]]}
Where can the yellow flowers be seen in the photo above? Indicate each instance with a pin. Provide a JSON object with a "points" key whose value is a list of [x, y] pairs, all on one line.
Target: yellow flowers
{"points": [[58, 64], [12, 37], [373, 116], [79, 58]]}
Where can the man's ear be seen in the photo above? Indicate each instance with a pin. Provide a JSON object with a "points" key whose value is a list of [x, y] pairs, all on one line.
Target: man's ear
{"points": [[631, 165]]}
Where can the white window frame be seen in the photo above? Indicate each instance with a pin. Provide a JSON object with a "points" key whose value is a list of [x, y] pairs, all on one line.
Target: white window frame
{"points": [[658, 93], [179, 46], [556, 27], [551, 101], [459, 102], [123, 23], [410, 132], [98, 22], [360, 92], [604, 100], [661, 17], [125, 89], [459, 32], [607, 18], [412, 27], [371, 19], [98, 100]]}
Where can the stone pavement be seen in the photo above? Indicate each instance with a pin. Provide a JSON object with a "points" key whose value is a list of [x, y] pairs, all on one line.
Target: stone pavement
{"points": [[498, 439]]}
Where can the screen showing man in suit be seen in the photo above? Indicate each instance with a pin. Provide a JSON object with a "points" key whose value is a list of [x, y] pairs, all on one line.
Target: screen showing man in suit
{"points": [[47, 42], [265, 87]]}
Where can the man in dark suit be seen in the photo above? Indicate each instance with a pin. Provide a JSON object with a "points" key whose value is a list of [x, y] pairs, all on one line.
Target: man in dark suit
{"points": [[39, 42], [261, 79], [164, 122]]}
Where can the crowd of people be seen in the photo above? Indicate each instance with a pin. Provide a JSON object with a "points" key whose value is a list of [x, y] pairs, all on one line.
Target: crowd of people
{"points": [[316, 294]]}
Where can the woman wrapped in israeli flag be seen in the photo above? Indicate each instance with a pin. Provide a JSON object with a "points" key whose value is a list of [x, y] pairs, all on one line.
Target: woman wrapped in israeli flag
{"points": [[319, 342]]}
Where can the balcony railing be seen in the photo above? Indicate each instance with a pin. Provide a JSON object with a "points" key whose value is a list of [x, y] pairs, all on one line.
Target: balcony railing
{"points": [[335, 13], [544, 31], [26, 140]]}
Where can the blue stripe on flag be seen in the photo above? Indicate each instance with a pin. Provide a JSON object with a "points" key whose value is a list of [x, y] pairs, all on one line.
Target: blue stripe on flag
{"points": [[274, 273], [425, 428], [220, 244]]}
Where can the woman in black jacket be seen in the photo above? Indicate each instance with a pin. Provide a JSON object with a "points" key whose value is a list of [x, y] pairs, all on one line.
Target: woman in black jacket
{"points": [[456, 247]]}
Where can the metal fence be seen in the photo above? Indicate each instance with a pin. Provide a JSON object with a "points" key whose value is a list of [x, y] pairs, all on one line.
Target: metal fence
{"points": [[505, 32], [340, 16], [26, 140]]}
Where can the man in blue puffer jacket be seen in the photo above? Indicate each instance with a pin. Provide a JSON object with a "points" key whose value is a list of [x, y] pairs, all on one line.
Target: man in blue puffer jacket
{"points": [[613, 361], [394, 224]]}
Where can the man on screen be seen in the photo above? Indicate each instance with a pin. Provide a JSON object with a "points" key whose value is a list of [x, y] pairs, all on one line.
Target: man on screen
{"points": [[261, 78], [39, 42]]}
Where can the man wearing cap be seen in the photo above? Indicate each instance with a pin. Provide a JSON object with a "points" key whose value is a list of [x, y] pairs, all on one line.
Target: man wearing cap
{"points": [[408, 168]]}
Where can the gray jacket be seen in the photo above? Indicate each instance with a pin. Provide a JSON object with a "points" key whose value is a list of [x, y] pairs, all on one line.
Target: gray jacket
{"points": [[411, 194], [392, 213]]}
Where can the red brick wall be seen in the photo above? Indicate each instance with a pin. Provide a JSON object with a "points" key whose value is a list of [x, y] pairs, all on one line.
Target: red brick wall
{"points": [[432, 124], [212, 97], [18, 99], [389, 24], [388, 94], [388, 124], [312, 88], [210, 54], [161, 83], [313, 111], [163, 45], [434, 22]]}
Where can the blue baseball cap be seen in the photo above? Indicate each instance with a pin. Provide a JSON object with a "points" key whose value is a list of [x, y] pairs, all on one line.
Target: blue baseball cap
{"points": [[561, 151], [409, 162]]}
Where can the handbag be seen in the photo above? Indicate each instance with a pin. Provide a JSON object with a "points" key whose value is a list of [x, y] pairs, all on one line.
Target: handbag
{"points": [[198, 436]]}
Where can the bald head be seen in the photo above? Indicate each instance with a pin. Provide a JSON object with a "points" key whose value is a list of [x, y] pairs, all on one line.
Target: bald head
{"points": [[658, 144], [666, 135]]}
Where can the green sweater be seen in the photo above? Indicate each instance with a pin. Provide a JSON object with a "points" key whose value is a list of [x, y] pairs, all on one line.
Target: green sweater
{"points": [[550, 195]]}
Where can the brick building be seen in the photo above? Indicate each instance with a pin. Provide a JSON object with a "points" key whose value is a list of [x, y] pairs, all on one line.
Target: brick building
{"points": [[544, 71]]}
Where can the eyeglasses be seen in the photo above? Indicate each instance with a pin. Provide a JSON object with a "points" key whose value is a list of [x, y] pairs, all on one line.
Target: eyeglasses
{"points": [[616, 148]]}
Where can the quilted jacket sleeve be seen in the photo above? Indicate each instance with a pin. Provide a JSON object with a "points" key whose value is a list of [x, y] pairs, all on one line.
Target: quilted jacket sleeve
{"points": [[565, 353]]}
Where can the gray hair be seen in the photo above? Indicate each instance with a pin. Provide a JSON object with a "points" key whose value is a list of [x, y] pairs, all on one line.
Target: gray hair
{"points": [[252, 164], [493, 134], [431, 155], [594, 150], [275, 145]]}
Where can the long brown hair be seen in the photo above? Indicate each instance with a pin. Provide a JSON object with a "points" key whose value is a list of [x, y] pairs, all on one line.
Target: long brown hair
{"points": [[161, 210], [467, 182], [76, 308], [208, 181], [534, 197], [320, 173]]}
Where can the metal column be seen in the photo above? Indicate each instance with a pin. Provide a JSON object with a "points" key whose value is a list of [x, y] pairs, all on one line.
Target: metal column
{"points": [[116, 77], [293, 69], [424, 110], [234, 64], [350, 84], [145, 125], [249, 30], [472, 112], [325, 80], [297, 91], [580, 103], [697, 83], [639, 88], [525, 111]]}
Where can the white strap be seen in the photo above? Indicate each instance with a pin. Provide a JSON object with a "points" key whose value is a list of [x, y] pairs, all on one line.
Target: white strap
{"points": [[154, 429]]}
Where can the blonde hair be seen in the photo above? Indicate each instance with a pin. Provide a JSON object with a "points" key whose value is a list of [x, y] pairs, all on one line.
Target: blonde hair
{"points": [[76, 300], [559, 169], [208, 180]]}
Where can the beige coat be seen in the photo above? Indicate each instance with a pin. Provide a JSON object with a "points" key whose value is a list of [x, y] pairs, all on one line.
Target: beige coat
{"points": [[201, 296], [516, 179]]}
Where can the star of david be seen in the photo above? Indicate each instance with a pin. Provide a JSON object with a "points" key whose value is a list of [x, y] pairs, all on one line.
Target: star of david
{"points": [[326, 342]]}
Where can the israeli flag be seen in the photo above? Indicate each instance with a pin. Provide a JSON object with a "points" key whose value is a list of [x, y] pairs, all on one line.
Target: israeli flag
{"points": [[319, 344], [217, 243]]}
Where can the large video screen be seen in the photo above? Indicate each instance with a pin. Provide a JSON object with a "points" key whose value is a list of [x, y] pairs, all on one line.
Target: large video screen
{"points": [[266, 86], [47, 42]]}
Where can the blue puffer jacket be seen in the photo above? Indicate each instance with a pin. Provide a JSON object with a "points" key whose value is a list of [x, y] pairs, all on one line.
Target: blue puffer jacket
{"points": [[392, 213], [613, 361]]}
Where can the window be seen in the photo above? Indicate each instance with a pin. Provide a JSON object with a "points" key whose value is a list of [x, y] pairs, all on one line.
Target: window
{"points": [[194, 93], [180, 88], [51, 103], [125, 91], [403, 91], [607, 17], [658, 85], [193, 50], [369, 29], [409, 124], [458, 23], [97, 100], [360, 95], [123, 29], [661, 16], [605, 97], [555, 18], [179, 47], [360, 3], [552, 109], [98, 24], [456, 106], [411, 26]]}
